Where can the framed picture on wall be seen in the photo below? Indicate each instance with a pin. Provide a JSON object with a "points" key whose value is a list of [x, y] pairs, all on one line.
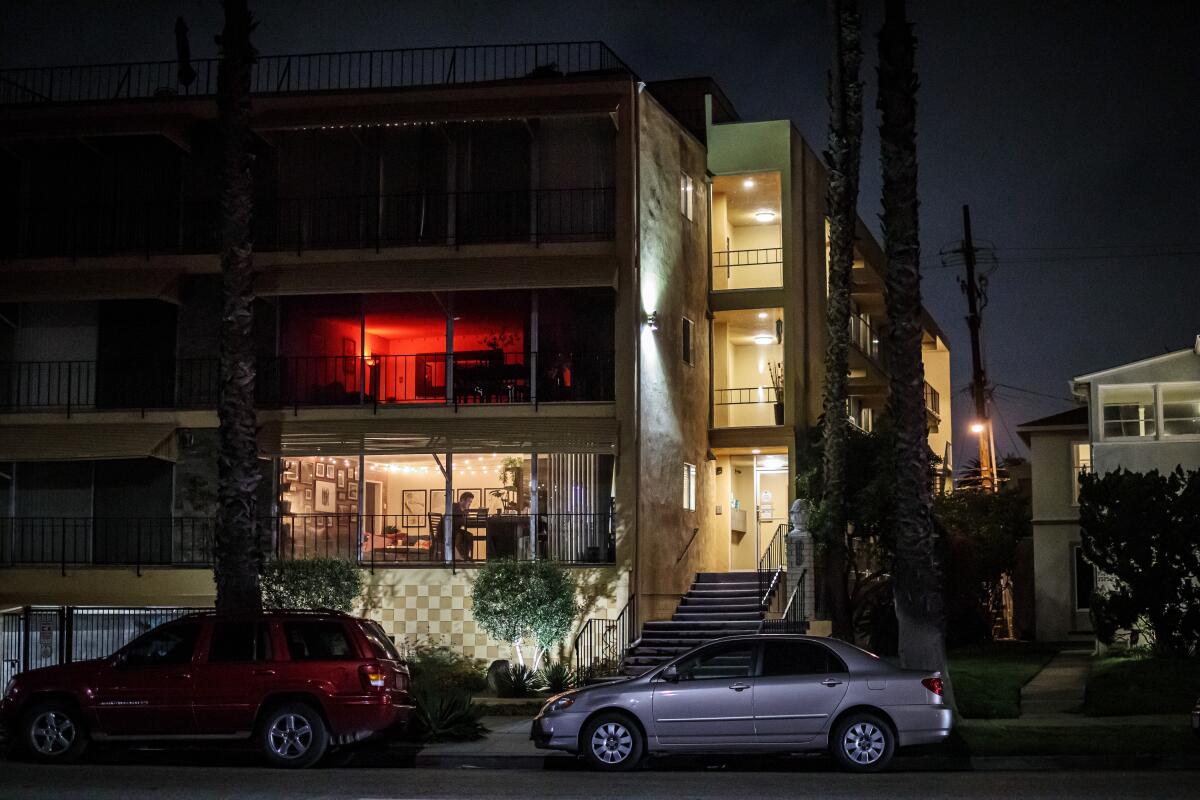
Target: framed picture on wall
{"points": [[326, 497], [352, 491], [308, 507], [306, 472], [289, 470], [308, 495], [350, 351], [437, 501], [412, 504], [341, 478], [320, 469]]}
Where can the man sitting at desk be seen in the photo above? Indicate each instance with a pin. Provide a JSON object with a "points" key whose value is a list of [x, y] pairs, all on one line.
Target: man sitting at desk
{"points": [[462, 537]]}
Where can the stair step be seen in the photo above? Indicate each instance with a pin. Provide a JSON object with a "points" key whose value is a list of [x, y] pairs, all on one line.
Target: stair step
{"points": [[686, 616], [722, 600]]}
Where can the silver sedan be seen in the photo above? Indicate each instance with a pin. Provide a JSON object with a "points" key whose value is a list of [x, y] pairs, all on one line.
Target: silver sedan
{"points": [[768, 693]]}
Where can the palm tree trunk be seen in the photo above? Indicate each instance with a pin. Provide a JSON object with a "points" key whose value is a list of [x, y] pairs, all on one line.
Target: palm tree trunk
{"points": [[238, 557], [842, 159], [917, 571]]}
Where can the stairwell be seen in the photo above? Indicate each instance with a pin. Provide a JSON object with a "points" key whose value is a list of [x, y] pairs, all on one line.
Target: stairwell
{"points": [[718, 604]]}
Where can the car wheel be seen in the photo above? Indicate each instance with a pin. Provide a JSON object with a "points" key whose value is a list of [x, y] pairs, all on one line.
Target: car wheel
{"points": [[862, 743], [613, 742], [54, 733], [292, 735]]}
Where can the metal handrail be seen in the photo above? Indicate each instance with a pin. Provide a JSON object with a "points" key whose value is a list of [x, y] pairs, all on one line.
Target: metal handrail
{"points": [[602, 642], [308, 72], [771, 565], [793, 616]]}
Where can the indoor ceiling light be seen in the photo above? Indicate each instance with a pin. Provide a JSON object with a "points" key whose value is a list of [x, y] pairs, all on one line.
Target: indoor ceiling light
{"points": [[764, 338], [764, 215], [755, 452], [748, 183], [762, 315]]}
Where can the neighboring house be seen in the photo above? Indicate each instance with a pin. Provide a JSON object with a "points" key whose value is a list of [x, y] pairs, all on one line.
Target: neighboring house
{"points": [[1140, 417], [498, 271]]}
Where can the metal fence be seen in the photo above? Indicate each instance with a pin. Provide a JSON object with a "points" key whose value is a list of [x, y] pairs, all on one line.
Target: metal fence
{"points": [[118, 541], [145, 227], [42, 636], [310, 72], [601, 644]]}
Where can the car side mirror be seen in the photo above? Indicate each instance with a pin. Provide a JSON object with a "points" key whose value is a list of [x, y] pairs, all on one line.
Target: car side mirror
{"points": [[671, 674]]}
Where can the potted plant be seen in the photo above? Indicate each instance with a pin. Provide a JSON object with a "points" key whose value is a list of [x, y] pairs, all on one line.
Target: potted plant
{"points": [[776, 370]]}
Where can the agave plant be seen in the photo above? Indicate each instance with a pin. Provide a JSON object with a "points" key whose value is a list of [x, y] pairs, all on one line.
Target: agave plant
{"points": [[517, 681], [446, 716], [557, 677]]}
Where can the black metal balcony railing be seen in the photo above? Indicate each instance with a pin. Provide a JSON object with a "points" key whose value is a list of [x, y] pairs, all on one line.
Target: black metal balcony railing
{"points": [[864, 336], [149, 227], [481, 376], [744, 396], [730, 265], [311, 72], [762, 256], [933, 400], [367, 539]]}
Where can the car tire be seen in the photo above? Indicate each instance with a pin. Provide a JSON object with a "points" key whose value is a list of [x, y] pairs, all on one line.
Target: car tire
{"points": [[53, 732], [292, 735], [613, 742], [862, 742]]}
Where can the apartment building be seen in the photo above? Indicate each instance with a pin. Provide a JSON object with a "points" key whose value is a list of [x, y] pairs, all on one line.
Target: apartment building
{"points": [[1140, 417], [511, 287]]}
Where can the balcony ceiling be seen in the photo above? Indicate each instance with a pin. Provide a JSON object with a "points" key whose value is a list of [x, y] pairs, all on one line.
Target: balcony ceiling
{"points": [[744, 201], [745, 324]]}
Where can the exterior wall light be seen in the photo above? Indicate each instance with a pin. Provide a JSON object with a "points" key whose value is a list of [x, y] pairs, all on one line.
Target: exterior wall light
{"points": [[652, 320]]}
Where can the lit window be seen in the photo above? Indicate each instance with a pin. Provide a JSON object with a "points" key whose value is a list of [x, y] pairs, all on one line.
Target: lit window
{"points": [[689, 486], [1128, 411], [689, 342], [1081, 462], [687, 195], [1181, 409]]}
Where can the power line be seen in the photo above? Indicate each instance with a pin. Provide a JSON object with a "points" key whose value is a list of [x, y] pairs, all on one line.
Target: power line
{"points": [[1039, 394]]}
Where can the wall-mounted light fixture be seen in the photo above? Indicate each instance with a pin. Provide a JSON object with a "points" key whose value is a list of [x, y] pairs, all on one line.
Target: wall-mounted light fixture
{"points": [[652, 320]]}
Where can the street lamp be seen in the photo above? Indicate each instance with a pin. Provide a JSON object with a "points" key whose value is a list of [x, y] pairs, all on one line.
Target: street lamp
{"points": [[977, 427]]}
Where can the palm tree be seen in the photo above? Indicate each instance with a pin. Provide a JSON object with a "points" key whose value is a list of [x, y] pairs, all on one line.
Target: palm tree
{"points": [[917, 570], [238, 556], [842, 158]]}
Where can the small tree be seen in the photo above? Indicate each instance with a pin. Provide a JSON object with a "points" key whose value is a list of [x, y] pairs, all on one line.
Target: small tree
{"points": [[312, 583], [1142, 531], [518, 600]]}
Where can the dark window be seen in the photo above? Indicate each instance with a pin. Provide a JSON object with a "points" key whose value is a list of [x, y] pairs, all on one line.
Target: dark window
{"points": [[799, 658], [381, 645], [239, 641], [173, 644], [733, 660], [1085, 581], [311, 641], [689, 342]]}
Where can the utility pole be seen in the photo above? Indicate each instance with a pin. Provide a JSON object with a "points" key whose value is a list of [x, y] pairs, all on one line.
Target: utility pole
{"points": [[982, 425]]}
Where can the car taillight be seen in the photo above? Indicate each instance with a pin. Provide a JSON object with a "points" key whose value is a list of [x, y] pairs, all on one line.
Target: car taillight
{"points": [[374, 679], [933, 684]]}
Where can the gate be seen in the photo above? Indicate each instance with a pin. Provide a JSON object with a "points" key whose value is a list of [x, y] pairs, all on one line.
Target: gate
{"points": [[42, 636]]}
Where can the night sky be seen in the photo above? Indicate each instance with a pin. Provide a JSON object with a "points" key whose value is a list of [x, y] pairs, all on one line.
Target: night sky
{"points": [[1069, 127]]}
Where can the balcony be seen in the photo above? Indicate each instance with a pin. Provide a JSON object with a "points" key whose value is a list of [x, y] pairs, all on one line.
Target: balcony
{"points": [[312, 72], [369, 540], [369, 221], [864, 336], [933, 402], [486, 377], [748, 359], [755, 268], [747, 232]]}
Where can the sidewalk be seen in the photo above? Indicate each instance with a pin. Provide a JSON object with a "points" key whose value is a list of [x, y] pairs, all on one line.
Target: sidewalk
{"points": [[1058, 689]]}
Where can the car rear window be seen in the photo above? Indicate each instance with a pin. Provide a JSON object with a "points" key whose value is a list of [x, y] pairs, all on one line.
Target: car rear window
{"points": [[381, 645], [234, 642], [798, 657], [312, 640]]}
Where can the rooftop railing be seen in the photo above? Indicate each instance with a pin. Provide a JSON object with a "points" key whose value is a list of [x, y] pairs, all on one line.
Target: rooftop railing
{"points": [[310, 72], [370, 221]]}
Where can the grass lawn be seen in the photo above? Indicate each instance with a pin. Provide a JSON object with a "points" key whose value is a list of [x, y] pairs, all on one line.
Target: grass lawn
{"points": [[988, 677], [1140, 684], [1093, 740]]}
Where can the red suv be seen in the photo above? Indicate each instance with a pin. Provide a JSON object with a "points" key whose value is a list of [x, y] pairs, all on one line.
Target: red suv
{"points": [[293, 682]]}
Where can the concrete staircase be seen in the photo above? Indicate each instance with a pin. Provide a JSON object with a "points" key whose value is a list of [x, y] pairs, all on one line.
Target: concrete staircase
{"points": [[718, 604]]}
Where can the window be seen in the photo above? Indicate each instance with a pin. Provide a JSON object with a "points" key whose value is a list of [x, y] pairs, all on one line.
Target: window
{"points": [[799, 658], [381, 645], [689, 486], [312, 641], [733, 660], [689, 342], [234, 642], [1081, 461], [173, 644], [1085, 580], [1181, 409], [1127, 411], [687, 195]]}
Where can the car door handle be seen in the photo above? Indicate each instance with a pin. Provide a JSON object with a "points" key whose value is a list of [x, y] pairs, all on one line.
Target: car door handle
{"points": [[831, 682], [739, 687], [262, 672]]}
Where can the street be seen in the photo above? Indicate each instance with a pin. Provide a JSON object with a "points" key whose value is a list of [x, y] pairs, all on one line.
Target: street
{"points": [[181, 776]]}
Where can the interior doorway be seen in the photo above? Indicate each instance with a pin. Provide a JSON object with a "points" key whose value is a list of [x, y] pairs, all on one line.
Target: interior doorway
{"points": [[759, 498]]}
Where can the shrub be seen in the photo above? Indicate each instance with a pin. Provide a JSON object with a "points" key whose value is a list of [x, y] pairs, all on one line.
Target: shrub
{"points": [[557, 677], [445, 716], [312, 583], [435, 667], [516, 600], [517, 681]]}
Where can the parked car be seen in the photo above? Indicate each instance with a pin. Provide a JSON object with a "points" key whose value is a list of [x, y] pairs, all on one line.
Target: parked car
{"points": [[766, 693], [294, 683]]}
